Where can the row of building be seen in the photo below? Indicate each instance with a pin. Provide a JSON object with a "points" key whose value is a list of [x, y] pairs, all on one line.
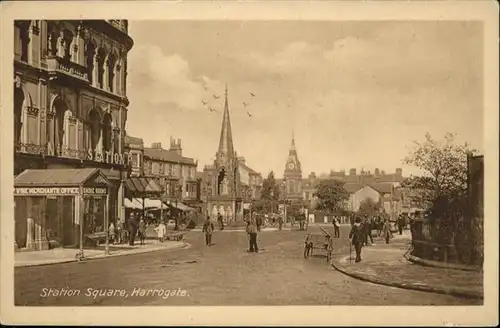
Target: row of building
{"points": [[75, 166]]}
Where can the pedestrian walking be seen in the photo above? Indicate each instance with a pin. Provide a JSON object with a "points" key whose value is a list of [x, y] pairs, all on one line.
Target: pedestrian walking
{"points": [[368, 231], [132, 228], [336, 227], [280, 223], [142, 231], [208, 228], [252, 233], [161, 231], [111, 232], [258, 221], [386, 231], [357, 236], [401, 223], [221, 221]]}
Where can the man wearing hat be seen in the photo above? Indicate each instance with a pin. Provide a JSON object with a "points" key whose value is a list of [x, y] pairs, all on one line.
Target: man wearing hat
{"points": [[357, 236]]}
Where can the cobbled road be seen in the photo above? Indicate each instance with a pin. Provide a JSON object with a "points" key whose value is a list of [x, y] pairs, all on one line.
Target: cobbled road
{"points": [[224, 274]]}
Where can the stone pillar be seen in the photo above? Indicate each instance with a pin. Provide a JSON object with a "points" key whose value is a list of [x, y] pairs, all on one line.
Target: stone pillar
{"points": [[30, 233], [42, 242], [105, 78], [95, 70], [34, 43]]}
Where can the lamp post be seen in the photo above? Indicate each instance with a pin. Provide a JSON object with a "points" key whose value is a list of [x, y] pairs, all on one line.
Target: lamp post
{"points": [[284, 199]]}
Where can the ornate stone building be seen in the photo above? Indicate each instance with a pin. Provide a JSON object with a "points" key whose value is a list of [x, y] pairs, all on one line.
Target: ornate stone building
{"points": [[70, 98], [228, 184]]}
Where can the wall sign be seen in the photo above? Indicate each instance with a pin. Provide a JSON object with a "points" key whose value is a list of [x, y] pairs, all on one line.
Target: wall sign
{"points": [[109, 157], [39, 191], [58, 191]]}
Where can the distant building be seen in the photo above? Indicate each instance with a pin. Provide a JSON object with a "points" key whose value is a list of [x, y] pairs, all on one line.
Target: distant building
{"points": [[176, 173], [292, 175]]}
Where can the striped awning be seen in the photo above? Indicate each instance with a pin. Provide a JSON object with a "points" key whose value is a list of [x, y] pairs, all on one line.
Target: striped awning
{"points": [[138, 187]]}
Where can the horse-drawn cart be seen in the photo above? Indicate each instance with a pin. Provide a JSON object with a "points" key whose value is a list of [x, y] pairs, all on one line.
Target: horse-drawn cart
{"points": [[322, 241]]}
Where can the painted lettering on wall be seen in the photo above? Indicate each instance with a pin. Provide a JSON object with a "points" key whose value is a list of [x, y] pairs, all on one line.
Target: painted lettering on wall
{"points": [[95, 191], [109, 157], [47, 191], [58, 191]]}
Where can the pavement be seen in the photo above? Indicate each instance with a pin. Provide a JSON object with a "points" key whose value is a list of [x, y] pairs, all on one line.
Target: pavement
{"points": [[65, 255], [388, 265], [221, 275]]}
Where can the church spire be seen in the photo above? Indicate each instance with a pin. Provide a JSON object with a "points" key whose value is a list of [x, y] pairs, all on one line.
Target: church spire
{"points": [[226, 137], [293, 140]]}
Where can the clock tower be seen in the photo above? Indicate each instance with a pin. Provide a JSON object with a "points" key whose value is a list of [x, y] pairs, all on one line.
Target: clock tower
{"points": [[293, 174]]}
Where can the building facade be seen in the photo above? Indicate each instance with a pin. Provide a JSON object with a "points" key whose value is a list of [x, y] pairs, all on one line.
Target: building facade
{"points": [[70, 102], [228, 184], [176, 173], [292, 175], [70, 99]]}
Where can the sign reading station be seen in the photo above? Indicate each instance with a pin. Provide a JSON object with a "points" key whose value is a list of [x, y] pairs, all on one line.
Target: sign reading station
{"points": [[59, 191]]}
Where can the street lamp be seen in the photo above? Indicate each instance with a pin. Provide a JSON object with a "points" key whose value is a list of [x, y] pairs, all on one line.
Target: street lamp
{"points": [[284, 199]]}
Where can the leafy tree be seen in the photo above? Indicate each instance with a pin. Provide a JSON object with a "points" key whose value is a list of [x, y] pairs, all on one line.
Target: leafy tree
{"points": [[369, 208], [443, 184], [331, 195], [270, 191]]}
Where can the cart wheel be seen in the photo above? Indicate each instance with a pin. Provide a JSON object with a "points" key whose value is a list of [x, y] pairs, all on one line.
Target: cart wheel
{"points": [[307, 251]]}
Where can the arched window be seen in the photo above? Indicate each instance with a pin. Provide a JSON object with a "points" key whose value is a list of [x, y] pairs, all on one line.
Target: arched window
{"points": [[221, 180], [107, 132], [89, 59], [59, 110], [24, 39], [95, 128], [18, 110], [111, 71], [68, 41], [101, 56]]}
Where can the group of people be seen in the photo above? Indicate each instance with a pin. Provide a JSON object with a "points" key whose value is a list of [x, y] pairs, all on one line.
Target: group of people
{"points": [[252, 228], [361, 232], [135, 228]]}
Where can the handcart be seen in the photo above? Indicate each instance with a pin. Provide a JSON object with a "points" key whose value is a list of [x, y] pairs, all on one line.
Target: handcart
{"points": [[322, 241]]}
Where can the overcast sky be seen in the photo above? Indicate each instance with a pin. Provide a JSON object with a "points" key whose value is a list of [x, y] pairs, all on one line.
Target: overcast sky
{"points": [[355, 93]]}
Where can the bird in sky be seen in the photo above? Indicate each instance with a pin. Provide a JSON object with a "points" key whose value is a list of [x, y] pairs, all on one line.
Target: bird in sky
{"points": [[319, 105], [249, 115], [204, 102], [205, 87], [211, 109], [245, 104], [215, 96], [252, 94]]}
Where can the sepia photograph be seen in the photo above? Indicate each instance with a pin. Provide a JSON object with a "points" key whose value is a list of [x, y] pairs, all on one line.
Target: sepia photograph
{"points": [[248, 161]]}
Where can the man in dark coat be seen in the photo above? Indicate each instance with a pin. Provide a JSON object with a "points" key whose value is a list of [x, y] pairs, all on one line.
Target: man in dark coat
{"points": [[132, 226], [357, 236], [252, 233], [208, 228], [221, 222]]}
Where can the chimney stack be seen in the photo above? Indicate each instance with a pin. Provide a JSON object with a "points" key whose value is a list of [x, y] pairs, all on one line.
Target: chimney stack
{"points": [[352, 172], [156, 145], [399, 172], [176, 145]]}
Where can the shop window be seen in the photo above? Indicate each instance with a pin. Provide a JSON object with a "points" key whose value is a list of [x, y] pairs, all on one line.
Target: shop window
{"points": [[94, 215]]}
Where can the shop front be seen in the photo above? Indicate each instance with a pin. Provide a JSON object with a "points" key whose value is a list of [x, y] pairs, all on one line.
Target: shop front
{"points": [[59, 207]]}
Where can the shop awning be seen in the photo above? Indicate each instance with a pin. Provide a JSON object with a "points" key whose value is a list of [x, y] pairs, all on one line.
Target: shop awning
{"points": [[181, 206], [133, 203], [139, 187], [136, 203], [60, 177]]}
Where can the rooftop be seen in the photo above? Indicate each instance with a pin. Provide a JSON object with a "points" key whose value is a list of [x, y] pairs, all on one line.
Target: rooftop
{"points": [[165, 155]]}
